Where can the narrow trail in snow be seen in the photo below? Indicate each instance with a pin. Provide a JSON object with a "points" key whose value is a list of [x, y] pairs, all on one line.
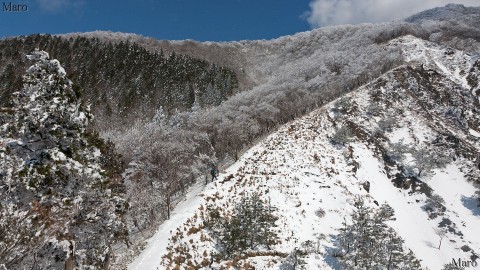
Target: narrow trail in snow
{"points": [[151, 256]]}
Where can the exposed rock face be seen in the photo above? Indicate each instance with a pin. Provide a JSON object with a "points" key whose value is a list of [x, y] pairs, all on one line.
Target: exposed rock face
{"points": [[59, 205]]}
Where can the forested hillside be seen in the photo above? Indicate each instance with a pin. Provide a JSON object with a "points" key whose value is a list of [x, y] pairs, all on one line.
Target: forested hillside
{"points": [[121, 81]]}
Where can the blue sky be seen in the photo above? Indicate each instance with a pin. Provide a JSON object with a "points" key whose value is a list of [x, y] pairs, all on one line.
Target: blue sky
{"points": [[215, 20], [212, 20]]}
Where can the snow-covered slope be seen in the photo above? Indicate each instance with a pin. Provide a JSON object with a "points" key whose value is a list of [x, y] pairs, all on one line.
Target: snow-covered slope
{"points": [[313, 169]]}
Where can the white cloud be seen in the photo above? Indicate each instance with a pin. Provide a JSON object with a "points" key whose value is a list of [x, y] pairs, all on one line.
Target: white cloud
{"points": [[333, 12], [58, 5]]}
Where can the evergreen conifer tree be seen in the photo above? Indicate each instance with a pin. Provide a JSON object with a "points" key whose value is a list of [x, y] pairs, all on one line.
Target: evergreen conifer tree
{"points": [[369, 243], [58, 194], [250, 227]]}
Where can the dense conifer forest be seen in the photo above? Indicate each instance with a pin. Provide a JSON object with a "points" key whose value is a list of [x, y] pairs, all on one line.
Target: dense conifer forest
{"points": [[121, 78]]}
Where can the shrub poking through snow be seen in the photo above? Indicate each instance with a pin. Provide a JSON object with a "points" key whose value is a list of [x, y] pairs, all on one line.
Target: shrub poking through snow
{"points": [[434, 205], [250, 227], [342, 135]]}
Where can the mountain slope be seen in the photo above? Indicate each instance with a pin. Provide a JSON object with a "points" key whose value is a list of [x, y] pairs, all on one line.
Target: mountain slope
{"points": [[281, 80], [123, 82], [412, 135]]}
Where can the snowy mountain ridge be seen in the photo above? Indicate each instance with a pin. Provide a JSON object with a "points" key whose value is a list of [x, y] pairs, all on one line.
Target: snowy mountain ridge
{"points": [[409, 138], [452, 63]]}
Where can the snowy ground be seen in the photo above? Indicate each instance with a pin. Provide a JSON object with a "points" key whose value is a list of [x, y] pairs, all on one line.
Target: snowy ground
{"points": [[150, 257], [302, 173]]}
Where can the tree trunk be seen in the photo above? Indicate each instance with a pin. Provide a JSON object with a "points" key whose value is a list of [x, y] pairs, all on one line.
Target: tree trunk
{"points": [[70, 263], [168, 206], [389, 261], [106, 262]]}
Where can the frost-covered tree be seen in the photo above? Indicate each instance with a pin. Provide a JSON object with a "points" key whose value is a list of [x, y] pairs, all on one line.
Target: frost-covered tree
{"points": [[374, 109], [397, 151], [161, 117], [56, 185], [387, 123], [344, 104], [440, 232], [427, 160], [294, 261], [343, 135], [356, 239], [435, 204], [151, 182], [369, 243], [251, 226]]}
